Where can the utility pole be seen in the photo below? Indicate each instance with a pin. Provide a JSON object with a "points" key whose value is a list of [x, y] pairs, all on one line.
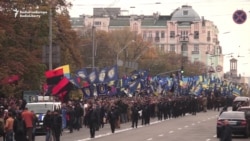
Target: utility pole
{"points": [[50, 37], [93, 47]]}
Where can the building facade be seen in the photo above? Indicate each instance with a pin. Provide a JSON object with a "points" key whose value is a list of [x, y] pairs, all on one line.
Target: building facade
{"points": [[183, 32]]}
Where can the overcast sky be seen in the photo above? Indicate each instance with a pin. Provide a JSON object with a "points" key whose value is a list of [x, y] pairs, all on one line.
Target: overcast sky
{"points": [[236, 39]]}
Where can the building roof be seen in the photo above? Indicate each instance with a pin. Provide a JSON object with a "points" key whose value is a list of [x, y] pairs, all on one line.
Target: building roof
{"points": [[185, 14]]}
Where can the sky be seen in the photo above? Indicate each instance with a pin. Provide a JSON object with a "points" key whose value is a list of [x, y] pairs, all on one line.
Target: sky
{"points": [[234, 38]]}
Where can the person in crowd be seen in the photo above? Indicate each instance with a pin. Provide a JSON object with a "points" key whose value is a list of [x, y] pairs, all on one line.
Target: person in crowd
{"points": [[92, 118], [35, 122], [71, 118], [19, 128], [47, 122], [111, 117], [78, 116], [9, 127], [226, 134], [56, 126], [28, 117], [64, 116], [1, 126], [135, 115]]}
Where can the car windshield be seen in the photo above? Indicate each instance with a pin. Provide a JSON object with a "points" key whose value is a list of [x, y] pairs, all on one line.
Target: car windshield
{"points": [[232, 115], [40, 108]]}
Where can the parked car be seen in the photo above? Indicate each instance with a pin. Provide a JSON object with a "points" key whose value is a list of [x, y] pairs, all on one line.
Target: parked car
{"points": [[240, 101], [246, 109], [237, 120]]}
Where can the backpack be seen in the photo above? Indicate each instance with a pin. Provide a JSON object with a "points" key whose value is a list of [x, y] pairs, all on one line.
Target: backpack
{"points": [[20, 126]]}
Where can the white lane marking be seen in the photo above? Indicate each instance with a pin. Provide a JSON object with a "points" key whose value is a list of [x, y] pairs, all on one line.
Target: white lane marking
{"points": [[186, 126], [203, 120], [215, 136], [208, 139], [198, 122], [193, 124], [208, 118], [160, 135], [149, 139], [170, 132], [179, 128]]}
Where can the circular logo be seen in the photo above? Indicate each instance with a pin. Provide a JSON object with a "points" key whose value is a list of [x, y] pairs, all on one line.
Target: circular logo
{"points": [[218, 68], [239, 16]]}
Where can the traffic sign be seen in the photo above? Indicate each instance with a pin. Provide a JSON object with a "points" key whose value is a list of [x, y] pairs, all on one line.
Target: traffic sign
{"points": [[218, 68], [239, 16], [211, 69]]}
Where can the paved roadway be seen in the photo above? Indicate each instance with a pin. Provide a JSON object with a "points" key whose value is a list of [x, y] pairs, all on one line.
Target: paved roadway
{"points": [[201, 127]]}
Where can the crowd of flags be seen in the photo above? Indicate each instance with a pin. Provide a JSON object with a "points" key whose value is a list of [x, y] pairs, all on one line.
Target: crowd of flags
{"points": [[106, 82]]}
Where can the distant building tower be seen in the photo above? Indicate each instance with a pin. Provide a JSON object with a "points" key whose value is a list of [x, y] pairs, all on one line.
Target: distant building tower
{"points": [[233, 67]]}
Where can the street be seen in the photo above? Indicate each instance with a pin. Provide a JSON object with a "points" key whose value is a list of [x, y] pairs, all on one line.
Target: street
{"points": [[201, 127]]}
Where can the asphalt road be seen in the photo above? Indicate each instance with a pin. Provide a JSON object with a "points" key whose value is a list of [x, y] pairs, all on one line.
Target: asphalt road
{"points": [[201, 127]]}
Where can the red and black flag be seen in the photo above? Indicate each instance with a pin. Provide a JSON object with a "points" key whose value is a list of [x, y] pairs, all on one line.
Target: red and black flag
{"points": [[63, 85], [54, 76]]}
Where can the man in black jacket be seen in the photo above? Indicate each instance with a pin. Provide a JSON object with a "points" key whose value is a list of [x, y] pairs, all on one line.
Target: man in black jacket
{"points": [[92, 118], [47, 122], [56, 126]]}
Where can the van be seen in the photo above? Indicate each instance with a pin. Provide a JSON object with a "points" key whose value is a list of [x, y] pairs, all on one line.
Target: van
{"points": [[40, 109], [240, 101]]}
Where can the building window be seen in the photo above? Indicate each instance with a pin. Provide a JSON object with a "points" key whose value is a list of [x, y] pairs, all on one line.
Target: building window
{"points": [[172, 48], [184, 34], [97, 23], [157, 34], [172, 34], [185, 12], [196, 47], [150, 34], [196, 34], [184, 47], [162, 34], [208, 36]]}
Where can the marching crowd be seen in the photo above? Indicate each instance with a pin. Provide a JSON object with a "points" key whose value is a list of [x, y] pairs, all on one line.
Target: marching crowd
{"points": [[17, 123]]}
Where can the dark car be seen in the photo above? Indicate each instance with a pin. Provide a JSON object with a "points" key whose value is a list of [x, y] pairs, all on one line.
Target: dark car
{"points": [[237, 120], [246, 109], [240, 101]]}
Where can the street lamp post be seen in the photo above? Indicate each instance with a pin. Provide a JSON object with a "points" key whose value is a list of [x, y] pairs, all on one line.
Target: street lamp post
{"points": [[50, 37], [117, 55]]}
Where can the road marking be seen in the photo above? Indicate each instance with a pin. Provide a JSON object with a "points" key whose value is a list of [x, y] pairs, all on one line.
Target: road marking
{"points": [[186, 126], [208, 139], [215, 136], [170, 132], [149, 139], [160, 135], [193, 124], [179, 128], [198, 122], [208, 118]]}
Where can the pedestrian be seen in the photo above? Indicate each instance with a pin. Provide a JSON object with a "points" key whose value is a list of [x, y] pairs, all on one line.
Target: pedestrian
{"points": [[92, 119], [47, 121], [56, 126], [111, 117], [28, 118], [19, 128], [9, 127], [135, 115], [226, 134]]}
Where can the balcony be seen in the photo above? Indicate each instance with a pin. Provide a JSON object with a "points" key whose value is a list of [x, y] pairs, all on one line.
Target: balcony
{"points": [[183, 39], [195, 52]]}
